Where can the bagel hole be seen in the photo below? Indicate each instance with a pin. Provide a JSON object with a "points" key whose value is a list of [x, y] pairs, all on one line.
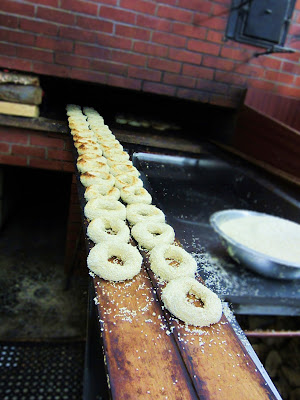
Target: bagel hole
{"points": [[194, 300], [172, 262], [115, 260], [110, 231]]}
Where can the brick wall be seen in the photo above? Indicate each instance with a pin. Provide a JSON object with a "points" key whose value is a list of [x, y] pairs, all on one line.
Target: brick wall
{"points": [[51, 151], [171, 47]]}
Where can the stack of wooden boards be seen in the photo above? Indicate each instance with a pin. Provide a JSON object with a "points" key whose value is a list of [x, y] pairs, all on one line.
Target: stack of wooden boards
{"points": [[20, 95]]}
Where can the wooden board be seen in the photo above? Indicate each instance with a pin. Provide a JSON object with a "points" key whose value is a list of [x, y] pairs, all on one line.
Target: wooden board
{"points": [[17, 78], [150, 354], [24, 110], [21, 94], [267, 140]]}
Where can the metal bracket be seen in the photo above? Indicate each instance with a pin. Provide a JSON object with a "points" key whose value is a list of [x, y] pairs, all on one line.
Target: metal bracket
{"points": [[275, 49]]}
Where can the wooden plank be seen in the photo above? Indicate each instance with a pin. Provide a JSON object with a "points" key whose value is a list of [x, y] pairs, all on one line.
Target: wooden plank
{"points": [[21, 94], [216, 359], [268, 140], [284, 109], [17, 78], [37, 124], [150, 354], [24, 110], [142, 359], [274, 171]]}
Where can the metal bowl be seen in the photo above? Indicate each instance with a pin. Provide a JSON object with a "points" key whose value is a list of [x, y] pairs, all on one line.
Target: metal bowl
{"points": [[256, 261]]}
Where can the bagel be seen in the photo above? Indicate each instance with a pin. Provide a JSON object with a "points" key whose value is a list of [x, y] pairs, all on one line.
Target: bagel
{"points": [[174, 297], [98, 261]]}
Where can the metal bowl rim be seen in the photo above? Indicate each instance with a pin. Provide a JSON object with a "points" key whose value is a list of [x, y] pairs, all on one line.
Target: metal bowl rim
{"points": [[244, 213]]}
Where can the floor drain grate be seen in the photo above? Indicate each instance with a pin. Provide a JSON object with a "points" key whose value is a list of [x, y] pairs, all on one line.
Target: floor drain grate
{"points": [[41, 371]]}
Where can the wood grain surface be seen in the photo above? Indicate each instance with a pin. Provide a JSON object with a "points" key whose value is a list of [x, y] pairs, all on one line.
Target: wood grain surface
{"points": [[23, 110], [149, 354]]}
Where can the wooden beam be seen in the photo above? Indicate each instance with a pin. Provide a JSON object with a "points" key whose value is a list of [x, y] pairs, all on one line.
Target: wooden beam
{"points": [[24, 94], [24, 110], [14, 77]]}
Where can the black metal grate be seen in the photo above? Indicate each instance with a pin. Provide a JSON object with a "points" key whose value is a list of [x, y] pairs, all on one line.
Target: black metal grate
{"points": [[41, 371]]}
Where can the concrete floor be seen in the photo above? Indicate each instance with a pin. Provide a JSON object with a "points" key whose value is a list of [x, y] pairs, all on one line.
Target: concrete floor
{"points": [[33, 299]]}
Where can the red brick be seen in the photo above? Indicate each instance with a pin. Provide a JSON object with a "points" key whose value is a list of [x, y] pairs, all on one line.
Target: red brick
{"points": [[216, 23], [51, 69], [92, 51], [159, 88], [132, 32], [16, 37], [175, 14], [95, 24], [28, 151], [50, 14], [223, 101], [191, 94], [267, 62], [110, 2], [297, 5], [236, 54], [13, 135], [211, 86], [203, 47], [151, 49], [114, 41], [46, 164], [169, 39], [35, 54], [7, 49], [260, 84], [218, 63], [279, 77], [121, 81], [34, 25], [128, 58], [69, 167], [61, 155], [90, 76], [107, 66], [13, 160], [197, 72], [83, 7], [157, 24], [297, 81], [184, 55], [17, 7], [15, 63], [54, 44], [4, 147], [72, 60], [220, 10], [170, 2], [289, 56], [213, 36], [292, 68], [9, 21], [116, 14], [46, 141], [144, 74], [164, 65], [229, 77], [51, 3], [249, 70], [145, 7], [189, 30], [196, 5], [78, 34], [178, 80]]}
